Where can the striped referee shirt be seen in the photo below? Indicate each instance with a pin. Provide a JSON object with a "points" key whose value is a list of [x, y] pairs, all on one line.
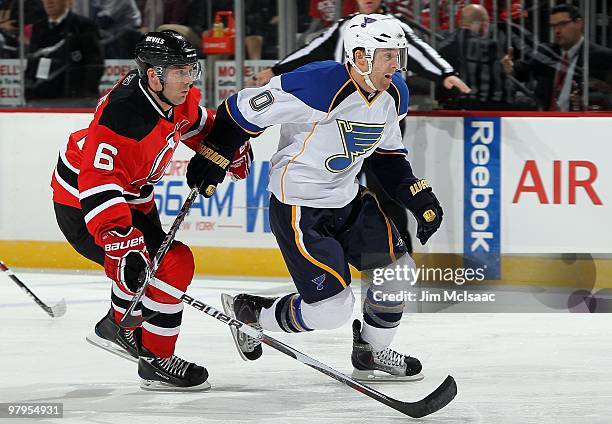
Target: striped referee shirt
{"points": [[423, 60]]}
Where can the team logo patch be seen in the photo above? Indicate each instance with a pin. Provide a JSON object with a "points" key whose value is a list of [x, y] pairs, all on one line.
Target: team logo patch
{"points": [[357, 140], [367, 21], [319, 281]]}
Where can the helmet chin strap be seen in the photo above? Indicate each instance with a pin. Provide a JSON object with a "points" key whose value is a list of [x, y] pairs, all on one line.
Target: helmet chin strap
{"points": [[366, 75], [369, 82], [163, 97]]}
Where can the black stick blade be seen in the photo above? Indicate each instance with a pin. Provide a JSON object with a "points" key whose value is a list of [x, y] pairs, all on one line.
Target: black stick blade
{"points": [[433, 402]]}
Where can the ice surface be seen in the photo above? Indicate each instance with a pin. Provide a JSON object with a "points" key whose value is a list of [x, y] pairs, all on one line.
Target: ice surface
{"points": [[510, 368]]}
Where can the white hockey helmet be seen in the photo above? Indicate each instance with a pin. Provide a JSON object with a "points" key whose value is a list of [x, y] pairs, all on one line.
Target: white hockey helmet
{"points": [[371, 32]]}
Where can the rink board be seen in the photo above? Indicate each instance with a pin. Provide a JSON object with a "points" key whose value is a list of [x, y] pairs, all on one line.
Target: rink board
{"points": [[550, 198]]}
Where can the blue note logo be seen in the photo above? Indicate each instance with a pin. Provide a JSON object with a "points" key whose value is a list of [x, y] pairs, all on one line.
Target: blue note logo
{"points": [[357, 140], [319, 281], [367, 21]]}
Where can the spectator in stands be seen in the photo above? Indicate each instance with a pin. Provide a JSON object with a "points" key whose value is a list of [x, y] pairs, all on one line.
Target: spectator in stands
{"points": [[152, 12], [475, 55], [119, 22], [65, 57], [444, 20], [9, 28], [558, 67], [323, 14]]}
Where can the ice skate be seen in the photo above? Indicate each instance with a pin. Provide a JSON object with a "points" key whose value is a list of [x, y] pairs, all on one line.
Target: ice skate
{"points": [[171, 374], [246, 308], [383, 365], [111, 337]]}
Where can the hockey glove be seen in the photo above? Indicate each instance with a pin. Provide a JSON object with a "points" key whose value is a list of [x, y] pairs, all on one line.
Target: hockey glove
{"points": [[426, 209], [241, 163], [206, 169], [126, 259]]}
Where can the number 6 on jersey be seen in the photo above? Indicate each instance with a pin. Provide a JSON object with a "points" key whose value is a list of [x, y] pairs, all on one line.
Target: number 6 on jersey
{"points": [[104, 160]]}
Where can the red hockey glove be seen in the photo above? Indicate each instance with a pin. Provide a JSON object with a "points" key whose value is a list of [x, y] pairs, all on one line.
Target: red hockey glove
{"points": [[126, 258], [241, 163]]}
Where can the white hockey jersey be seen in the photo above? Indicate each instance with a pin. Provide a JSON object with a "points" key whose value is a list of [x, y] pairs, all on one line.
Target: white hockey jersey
{"points": [[328, 127]]}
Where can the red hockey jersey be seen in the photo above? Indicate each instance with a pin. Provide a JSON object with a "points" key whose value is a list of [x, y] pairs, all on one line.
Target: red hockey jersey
{"points": [[112, 166]]}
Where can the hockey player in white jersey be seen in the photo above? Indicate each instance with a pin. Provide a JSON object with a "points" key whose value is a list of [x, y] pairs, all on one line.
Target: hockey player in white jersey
{"points": [[333, 117]]}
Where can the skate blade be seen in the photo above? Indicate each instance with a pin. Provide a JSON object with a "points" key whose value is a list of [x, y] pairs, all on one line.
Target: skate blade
{"points": [[376, 376], [228, 308], [160, 386], [109, 346]]}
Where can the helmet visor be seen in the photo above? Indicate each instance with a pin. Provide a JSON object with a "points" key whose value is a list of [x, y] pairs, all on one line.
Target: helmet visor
{"points": [[182, 73]]}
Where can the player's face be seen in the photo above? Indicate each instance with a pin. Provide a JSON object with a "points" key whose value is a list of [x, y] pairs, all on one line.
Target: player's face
{"points": [[178, 81], [384, 65]]}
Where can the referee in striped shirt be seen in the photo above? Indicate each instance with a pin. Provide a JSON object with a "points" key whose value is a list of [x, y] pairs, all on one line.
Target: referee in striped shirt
{"points": [[423, 59]]}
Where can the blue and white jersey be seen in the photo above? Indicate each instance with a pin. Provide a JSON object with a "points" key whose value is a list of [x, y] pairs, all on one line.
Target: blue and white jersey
{"points": [[328, 127]]}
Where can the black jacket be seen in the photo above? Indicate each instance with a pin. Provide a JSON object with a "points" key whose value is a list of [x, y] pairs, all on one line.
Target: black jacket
{"points": [[543, 64], [76, 58]]}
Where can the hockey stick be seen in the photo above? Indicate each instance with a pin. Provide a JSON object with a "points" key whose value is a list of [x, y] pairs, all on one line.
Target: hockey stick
{"points": [[433, 402], [54, 311], [130, 320]]}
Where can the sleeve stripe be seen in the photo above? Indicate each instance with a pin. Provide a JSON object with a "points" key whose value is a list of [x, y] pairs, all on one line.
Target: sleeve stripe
{"points": [[425, 55], [233, 112], [68, 176], [339, 55], [200, 125], [66, 186], [100, 189], [311, 46], [65, 160], [100, 208], [140, 201]]}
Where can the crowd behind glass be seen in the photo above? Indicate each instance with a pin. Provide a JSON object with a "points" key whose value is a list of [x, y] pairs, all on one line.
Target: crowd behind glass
{"points": [[514, 55]]}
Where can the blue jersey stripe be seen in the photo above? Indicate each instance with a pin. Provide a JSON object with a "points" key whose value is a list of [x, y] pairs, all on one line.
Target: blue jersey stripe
{"points": [[404, 94], [316, 84]]}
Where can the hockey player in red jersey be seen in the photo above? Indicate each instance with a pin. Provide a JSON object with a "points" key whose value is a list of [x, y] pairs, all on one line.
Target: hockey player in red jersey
{"points": [[103, 199]]}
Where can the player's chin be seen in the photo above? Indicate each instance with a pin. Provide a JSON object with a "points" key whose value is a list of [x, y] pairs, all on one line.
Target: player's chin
{"points": [[385, 82], [181, 97]]}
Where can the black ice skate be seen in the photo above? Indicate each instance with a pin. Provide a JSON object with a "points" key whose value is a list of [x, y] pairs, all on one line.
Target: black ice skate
{"points": [[171, 374], [111, 337], [383, 365], [246, 308]]}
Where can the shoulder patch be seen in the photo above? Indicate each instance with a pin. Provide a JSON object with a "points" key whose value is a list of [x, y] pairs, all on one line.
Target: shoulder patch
{"points": [[316, 84]]}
